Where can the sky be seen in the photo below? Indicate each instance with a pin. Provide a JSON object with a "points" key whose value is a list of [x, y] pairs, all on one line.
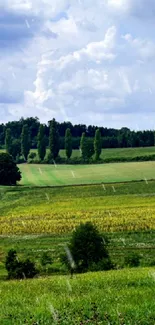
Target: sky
{"points": [[84, 61]]}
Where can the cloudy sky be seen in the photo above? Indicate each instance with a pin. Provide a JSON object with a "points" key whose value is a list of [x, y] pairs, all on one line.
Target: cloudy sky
{"points": [[87, 61]]}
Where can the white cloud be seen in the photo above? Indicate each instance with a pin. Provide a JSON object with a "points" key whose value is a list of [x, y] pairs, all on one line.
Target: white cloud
{"points": [[89, 61]]}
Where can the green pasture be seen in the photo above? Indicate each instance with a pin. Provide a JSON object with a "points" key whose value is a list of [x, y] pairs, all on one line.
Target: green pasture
{"points": [[58, 175], [113, 297]]}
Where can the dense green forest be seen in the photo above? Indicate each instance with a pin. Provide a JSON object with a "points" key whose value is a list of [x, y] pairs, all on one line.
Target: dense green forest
{"points": [[111, 138]]}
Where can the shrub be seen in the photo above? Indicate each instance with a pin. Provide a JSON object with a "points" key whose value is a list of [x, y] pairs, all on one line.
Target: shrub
{"points": [[87, 247], [32, 155], [104, 265], [132, 260], [20, 159], [19, 269], [46, 259]]}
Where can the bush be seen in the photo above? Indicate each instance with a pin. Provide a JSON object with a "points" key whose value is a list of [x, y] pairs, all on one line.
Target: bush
{"points": [[104, 265], [87, 247], [132, 260], [46, 259], [19, 269], [9, 172], [32, 155], [20, 159]]}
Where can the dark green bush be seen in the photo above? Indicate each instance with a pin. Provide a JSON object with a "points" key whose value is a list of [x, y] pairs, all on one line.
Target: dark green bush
{"points": [[46, 259], [19, 269], [132, 260], [87, 247]]}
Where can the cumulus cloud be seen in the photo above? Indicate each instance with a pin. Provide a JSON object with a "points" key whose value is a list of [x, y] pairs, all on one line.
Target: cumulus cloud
{"points": [[85, 61]]}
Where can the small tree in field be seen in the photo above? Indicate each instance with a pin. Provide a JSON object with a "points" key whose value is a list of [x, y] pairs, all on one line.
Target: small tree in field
{"points": [[41, 143], [25, 141], [8, 141], [87, 246], [97, 144], [9, 172], [68, 143]]}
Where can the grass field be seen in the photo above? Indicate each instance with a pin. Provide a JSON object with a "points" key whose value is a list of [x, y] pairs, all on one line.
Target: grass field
{"points": [[114, 297], [50, 175], [118, 152], [35, 218]]}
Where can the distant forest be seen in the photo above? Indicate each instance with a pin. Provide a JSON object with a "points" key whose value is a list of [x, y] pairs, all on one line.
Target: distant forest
{"points": [[111, 138]]}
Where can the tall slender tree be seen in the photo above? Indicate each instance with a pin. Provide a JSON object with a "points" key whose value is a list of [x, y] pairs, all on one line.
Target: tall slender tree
{"points": [[41, 142], [97, 144], [83, 146], [68, 143], [54, 139], [8, 141], [25, 141]]}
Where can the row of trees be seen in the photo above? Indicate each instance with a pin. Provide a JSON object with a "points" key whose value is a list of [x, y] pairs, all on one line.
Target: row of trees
{"points": [[111, 138], [16, 147]]}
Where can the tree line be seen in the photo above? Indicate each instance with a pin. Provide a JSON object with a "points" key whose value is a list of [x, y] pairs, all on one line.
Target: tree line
{"points": [[22, 146], [110, 137]]}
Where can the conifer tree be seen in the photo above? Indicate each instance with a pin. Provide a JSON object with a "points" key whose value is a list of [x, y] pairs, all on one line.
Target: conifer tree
{"points": [[8, 141], [41, 142], [25, 141], [83, 146], [68, 143], [97, 144], [54, 139]]}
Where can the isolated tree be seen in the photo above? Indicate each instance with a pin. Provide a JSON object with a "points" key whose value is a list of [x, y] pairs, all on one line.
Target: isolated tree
{"points": [[97, 144], [9, 172], [25, 141], [87, 246], [54, 139], [83, 146], [41, 142], [68, 143], [8, 141]]}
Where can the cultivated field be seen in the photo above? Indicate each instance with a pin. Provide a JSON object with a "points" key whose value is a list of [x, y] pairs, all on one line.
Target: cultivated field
{"points": [[50, 175], [34, 220]]}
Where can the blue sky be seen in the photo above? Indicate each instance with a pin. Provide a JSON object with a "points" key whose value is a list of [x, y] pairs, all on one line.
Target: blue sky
{"points": [[85, 61]]}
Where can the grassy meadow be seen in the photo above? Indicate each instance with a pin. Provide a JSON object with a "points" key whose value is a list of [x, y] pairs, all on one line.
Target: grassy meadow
{"points": [[58, 175], [113, 297], [117, 152]]}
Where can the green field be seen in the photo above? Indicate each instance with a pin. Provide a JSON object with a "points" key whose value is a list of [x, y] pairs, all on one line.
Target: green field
{"points": [[50, 175], [39, 216], [115, 297], [118, 152]]}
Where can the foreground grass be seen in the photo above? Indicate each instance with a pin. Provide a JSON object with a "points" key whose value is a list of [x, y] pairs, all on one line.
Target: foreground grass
{"points": [[114, 297], [50, 175]]}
